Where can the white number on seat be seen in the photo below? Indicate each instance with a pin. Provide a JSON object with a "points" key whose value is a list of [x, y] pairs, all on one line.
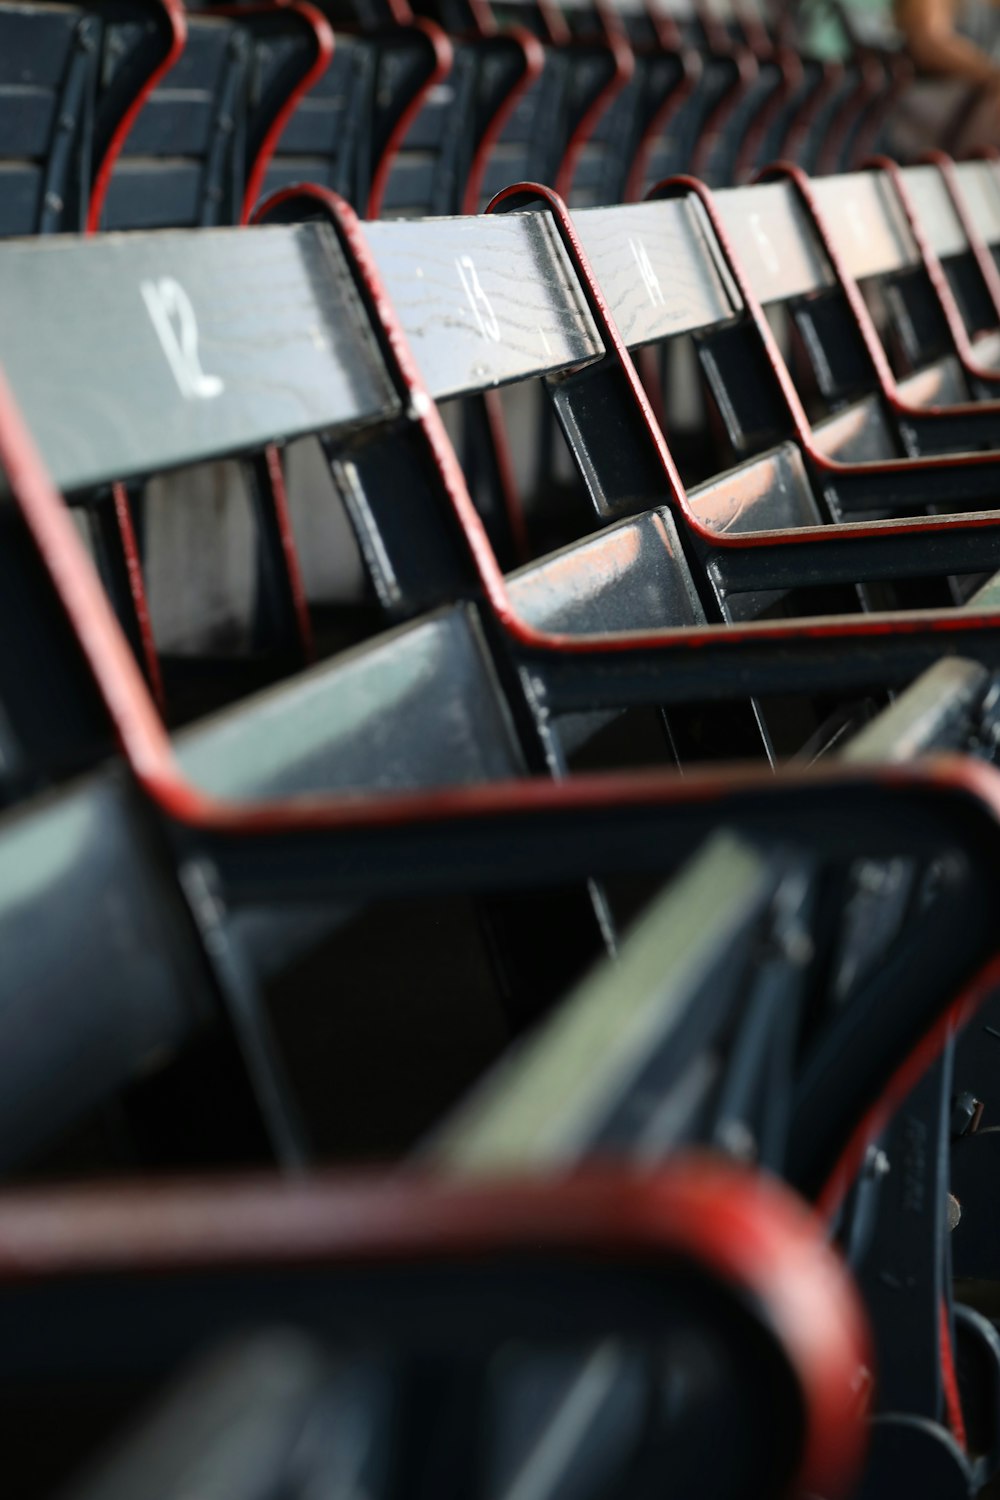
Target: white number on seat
{"points": [[482, 309], [173, 317], [856, 219], [645, 267], [767, 254]]}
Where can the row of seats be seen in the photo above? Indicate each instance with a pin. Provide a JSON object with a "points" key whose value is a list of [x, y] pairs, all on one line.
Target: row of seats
{"points": [[480, 891], [350, 888], [150, 113]]}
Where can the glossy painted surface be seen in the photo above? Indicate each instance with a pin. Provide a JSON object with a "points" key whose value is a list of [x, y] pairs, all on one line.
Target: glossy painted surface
{"points": [[938, 711], [221, 341], [417, 707], [483, 301], [100, 981], [654, 262], [770, 493], [612, 1068], [628, 577], [655, 266]]}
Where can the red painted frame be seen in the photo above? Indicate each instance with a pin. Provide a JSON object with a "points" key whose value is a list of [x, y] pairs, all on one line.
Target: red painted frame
{"points": [[443, 54], [933, 269], [748, 70], [801, 425], [325, 43], [137, 593], [623, 69], [692, 69], [534, 62], [833, 78], [872, 81], [175, 17], [888, 387], [980, 250], [176, 20], [747, 1231], [776, 49]]}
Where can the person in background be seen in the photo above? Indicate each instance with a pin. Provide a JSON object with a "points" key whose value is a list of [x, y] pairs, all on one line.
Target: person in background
{"points": [[954, 48], [954, 100]]}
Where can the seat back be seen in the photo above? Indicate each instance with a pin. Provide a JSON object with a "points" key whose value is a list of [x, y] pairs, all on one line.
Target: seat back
{"points": [[182, 163], [178, 303], [72, 77], [328, 137], [48, 83]]}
